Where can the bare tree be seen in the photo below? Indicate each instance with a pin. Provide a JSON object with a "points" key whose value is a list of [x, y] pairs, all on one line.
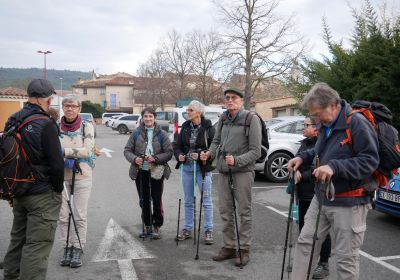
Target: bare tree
{"points": [[261, 44], [153, 77], [207, 56], [178, 62]]}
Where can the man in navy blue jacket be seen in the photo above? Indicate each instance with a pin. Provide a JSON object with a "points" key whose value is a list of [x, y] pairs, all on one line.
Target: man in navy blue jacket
{"points": [[349, 167]]}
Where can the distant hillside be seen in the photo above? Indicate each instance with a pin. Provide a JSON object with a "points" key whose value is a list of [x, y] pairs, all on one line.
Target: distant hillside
{"points": [[19, 77]]}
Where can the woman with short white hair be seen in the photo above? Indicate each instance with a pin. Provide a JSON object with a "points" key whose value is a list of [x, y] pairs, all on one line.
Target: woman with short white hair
{"points": [[77, 142], [195, 136]]}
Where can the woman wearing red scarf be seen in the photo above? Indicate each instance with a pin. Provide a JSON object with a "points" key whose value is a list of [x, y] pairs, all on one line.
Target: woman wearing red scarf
{"points": [[77, 142]]}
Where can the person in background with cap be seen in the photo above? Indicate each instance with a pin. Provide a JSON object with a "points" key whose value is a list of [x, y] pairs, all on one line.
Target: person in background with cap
{"points": [[236, 149], [36, 212]]}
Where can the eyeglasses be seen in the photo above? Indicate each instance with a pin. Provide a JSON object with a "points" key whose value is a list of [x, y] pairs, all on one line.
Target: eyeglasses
{"points": [[308, 124], [232, 97], [73, 107], [189, 110]]}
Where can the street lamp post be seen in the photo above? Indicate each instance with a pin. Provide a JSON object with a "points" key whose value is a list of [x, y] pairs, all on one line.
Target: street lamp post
{"points": [[44, 55]]}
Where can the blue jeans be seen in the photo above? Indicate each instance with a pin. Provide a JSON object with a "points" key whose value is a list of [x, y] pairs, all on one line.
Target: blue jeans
{"points": [[188, 189]]}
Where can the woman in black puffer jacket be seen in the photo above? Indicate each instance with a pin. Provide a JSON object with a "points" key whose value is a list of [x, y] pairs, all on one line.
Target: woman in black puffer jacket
{"points": [[195, 136]]}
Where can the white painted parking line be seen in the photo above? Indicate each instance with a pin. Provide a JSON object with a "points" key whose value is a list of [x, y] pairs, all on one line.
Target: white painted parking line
{"points": [[362, 253], [389, 258], [127, 270]]}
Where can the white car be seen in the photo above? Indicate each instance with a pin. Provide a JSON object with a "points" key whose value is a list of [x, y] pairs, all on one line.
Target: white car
{"points": [[126, 123], [105, 118], [285, 134]]}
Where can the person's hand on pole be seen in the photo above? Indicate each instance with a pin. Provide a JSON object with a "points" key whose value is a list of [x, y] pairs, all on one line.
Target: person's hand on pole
{"points": [[139, 161], [294, 163], [323, 173], [150, 159], [195, 156], [182, 158], [204, 155], [230, 160]]}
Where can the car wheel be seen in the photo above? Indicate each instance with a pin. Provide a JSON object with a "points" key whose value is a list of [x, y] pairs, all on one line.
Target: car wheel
{"points": [[122, 129], [276, 168]]}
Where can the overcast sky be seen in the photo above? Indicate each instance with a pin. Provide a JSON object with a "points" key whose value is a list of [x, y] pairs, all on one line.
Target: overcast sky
{"points": [[112, 36]]}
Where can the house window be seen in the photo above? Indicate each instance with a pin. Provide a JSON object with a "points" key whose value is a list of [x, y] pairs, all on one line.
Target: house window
{"points": [[84, 91]]}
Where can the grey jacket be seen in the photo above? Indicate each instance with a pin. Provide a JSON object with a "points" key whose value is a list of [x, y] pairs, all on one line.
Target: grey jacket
{"points": [[231, 139], [352, 165], [135, 148]]}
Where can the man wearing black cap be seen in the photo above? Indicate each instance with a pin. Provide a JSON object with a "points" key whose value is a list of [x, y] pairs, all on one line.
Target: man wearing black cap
{"points": [[236, 147], [36, 210]]}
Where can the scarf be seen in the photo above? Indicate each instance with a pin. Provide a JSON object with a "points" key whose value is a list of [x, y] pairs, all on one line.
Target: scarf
{"points": [[70, 127]]}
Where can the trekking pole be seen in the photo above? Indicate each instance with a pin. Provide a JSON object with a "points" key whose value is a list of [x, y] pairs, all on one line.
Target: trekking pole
{"points": [[293, 210], [203, 175], [194, 202], [232, 188], [150, 205], [291, 181], [315, 236], [179, 203], [141, 196], [70, 200]]}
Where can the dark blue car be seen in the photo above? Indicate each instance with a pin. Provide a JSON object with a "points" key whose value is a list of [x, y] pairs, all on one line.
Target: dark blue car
{"points": [[387, 199]]}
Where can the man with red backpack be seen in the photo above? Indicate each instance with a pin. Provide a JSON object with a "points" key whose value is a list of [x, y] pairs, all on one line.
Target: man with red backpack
{"points": [[342, 174], [36, 199]]}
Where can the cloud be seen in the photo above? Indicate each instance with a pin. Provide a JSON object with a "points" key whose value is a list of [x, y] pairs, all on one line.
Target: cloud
{"points": [[113, 36]]}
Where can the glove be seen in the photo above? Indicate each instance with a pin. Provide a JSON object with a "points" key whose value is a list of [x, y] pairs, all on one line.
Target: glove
{"points": [[69, 163]]}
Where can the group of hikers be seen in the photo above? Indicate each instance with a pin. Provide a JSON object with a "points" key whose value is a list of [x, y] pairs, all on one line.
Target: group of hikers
{"points": [[62, 153]]}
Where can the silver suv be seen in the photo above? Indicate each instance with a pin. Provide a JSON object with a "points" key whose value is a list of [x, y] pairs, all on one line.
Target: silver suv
{"points": [[285, 134]]}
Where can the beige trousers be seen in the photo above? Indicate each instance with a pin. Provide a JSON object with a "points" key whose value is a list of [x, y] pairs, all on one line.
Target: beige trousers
{"points": [[79, 205], [348, 224], [243, 182]]}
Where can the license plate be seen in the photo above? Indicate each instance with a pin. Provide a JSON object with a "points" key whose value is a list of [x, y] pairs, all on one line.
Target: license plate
{"points": [[389, 196]]}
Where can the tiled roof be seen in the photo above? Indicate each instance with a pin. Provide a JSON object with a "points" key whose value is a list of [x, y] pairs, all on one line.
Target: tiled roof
{"points": [[11, 92]]}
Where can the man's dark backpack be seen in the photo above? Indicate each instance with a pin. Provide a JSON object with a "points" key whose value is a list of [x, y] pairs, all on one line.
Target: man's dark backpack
{"points": [[380, 118], [16, 174], [264, 132]]}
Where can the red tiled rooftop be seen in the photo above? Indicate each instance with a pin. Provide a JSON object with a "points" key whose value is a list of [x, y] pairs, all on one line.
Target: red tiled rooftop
{"points": [[12, 92]]}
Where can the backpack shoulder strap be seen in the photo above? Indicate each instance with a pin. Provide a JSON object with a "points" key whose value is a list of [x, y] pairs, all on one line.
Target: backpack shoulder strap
{"points": [[366, 112]]}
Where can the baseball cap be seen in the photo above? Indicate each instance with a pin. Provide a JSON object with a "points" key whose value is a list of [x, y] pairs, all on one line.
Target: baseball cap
{"points": [[235, 91], [40, 88]]}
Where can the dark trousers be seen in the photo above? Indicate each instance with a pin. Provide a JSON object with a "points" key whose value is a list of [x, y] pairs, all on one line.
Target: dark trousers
{"points": [[326, 246], [152, 192]]}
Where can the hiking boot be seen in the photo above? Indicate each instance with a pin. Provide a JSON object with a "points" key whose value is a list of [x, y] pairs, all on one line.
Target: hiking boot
{"points": [[245, 258], [225, 254], [156, 233], [66, 259], [208, 240], [148, 232], [321, 271], [185, 234], [76, 258]]}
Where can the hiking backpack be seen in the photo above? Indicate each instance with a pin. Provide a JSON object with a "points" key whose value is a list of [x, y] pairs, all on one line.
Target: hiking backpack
{"points": [[380, 118], [246, 124], [16, 173]]}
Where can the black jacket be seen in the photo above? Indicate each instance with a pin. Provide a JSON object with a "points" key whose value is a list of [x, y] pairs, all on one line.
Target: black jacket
{"points": [[44, 150], [182, 145], [305, 188], [352, 165]]}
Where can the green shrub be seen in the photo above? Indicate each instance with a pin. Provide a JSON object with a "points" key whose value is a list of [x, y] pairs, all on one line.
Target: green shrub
{"points": [[95, 109]]}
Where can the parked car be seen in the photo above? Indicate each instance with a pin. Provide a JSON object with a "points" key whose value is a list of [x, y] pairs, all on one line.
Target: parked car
{"points": [[285, 134], [126, 123], [107, 116], [89, 118], [387, 198], [180, 116]]}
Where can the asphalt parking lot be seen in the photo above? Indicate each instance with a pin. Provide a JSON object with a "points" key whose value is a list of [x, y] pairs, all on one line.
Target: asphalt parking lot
{"points": [[114, 250]]}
